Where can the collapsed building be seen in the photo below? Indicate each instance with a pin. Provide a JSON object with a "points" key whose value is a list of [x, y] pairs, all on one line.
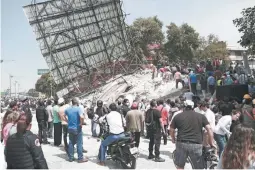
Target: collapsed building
{"points": [[87, 48]]}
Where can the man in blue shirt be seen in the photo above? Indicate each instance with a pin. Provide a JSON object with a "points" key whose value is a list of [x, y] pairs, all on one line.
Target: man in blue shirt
{"points": [[193, 82], [211, 83], [75, 121]]}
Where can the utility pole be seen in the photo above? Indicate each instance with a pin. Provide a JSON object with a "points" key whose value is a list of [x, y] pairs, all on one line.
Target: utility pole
{"points": [[18, 89], [15, 89], [10, 77]]}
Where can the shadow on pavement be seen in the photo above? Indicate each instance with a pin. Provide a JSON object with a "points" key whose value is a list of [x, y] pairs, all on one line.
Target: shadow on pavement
{"points": [[167, 153], [108, 163], [62, 155], [143, 156]]}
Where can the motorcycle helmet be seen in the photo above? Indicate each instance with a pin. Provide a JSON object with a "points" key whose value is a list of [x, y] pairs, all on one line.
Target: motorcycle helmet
{"points": [[100, 103]]}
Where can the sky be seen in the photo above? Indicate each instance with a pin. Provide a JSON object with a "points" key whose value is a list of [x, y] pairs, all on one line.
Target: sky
{"points": [[18, 41]]}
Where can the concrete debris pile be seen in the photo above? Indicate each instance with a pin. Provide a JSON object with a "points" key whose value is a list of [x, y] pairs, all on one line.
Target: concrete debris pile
{"points": [[138, 85]]}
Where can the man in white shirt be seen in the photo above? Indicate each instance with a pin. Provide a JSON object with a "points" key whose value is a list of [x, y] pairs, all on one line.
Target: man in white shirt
{"points": [[49, 110], [223, 128], [211, 119], [188, 95], [116, 124], [198, 109]]}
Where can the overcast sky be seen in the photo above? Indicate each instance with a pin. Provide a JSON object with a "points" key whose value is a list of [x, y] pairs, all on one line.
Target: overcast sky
{"points": [[18, 41]]}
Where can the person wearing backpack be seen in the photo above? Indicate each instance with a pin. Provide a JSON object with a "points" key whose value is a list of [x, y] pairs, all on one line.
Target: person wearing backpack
{"points": [[155, 127]]}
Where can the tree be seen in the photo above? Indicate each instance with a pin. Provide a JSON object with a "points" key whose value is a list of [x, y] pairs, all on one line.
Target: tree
{"points": [[211, 47], [145, 31], [33, 93], [182, 42], [46, 85], [246, 26]]}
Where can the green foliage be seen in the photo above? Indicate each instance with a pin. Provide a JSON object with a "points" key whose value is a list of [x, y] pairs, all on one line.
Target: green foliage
{"points": [[182, 42], [44, 84], [146, 31], [33, 93], [246, 26], [211, 47]]}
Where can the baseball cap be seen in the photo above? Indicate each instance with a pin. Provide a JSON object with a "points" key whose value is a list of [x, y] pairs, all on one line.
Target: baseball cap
{"points": [[247, 96], [134, 105]]}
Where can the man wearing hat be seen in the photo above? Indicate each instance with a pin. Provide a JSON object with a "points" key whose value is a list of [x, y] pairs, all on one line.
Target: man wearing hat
{"points": [[248, 117]]}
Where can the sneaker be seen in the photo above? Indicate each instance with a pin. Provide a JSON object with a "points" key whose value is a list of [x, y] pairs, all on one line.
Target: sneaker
{"points": [[159, 159], [101, 163], [151, 156], [84, 151], [83, 160], [70, 160]]}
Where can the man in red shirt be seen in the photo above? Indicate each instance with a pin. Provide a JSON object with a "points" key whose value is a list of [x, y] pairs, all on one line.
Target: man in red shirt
{"points": [[164, 116]]}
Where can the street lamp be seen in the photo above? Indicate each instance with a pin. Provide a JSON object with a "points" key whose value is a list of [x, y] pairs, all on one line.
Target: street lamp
{"points": [[10, 77], [1, 61]]}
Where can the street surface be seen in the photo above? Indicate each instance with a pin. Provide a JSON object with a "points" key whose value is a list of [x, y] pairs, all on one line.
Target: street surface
{"points": [[57, 158]]}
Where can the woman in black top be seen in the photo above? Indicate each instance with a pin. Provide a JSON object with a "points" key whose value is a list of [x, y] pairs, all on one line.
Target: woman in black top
{"points": [[23, 150]]}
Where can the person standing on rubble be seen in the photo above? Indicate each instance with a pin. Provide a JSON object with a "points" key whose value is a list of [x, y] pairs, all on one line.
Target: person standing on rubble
{"points": [[178, 79]]}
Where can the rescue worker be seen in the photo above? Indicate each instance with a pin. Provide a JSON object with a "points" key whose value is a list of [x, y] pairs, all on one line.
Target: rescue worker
{"points": [[23, 149]]}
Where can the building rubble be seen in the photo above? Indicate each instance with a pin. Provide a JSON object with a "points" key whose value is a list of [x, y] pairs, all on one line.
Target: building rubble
{"points": [[134, 87]]}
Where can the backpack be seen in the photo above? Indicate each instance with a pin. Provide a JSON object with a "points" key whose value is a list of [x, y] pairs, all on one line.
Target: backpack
{"points": [[91, 113], [149, 120]]}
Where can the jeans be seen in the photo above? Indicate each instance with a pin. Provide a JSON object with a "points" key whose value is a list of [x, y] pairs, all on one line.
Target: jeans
{"points": [[194, 151], [75, 137], [220, 140], [211, 89], [110, 139], [65, 131], [50, 129], [193, 87], [93, 128], [165, 136], [155, 139], [42, 127]]}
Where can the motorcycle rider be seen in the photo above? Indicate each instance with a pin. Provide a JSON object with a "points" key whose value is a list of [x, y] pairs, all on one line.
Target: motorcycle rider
{"points": [[116, 123], [100, 111]]}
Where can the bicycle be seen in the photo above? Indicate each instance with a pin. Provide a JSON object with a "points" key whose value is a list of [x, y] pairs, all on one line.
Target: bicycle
{"points": [[210, 158]]}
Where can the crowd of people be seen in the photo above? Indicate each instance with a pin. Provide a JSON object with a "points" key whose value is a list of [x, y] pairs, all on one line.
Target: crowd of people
{"points": [[191, 122]]}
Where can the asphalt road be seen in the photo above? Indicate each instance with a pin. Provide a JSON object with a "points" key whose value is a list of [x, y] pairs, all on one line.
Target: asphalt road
{"points": [[56, 156]]}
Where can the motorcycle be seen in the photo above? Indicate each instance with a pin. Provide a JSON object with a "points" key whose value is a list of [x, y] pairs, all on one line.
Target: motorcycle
{"points": [[121, 151]]}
